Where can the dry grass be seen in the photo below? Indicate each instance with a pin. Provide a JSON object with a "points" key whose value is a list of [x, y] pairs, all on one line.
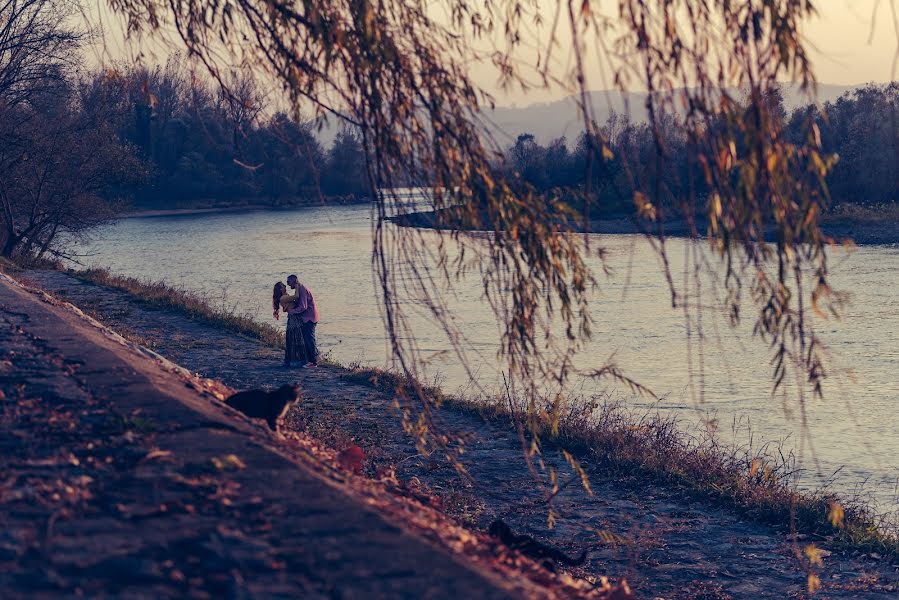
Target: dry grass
{"points": [[8, 266], [157, 294], [626, 444]]}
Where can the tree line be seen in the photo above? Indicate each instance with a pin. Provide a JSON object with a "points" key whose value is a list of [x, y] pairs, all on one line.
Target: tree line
{"points": [[203, 141], [861, 130]]}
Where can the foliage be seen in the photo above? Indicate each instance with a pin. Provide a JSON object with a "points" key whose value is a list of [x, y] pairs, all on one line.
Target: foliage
{"points": [[205, 142], [37, 43], [61, 172], [64, 174], [860, 129]]}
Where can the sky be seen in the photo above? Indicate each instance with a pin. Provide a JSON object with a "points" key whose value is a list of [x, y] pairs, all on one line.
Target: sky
{"points": [[846, 50], [844, 54]]}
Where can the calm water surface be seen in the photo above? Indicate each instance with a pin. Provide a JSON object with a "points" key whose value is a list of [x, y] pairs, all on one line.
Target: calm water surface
{"points": [[852, 435]]}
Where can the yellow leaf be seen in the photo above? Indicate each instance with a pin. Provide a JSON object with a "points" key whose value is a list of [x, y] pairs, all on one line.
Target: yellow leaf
{"points": [[819, 164], [812, 213], [814, 583], [157, 453], [644, 207], [817, 134], [814, 555], [836, 514], [234, 461], [716, 205]]}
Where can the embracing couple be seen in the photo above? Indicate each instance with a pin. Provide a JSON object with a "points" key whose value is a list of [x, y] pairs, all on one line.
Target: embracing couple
{"points": [[302, 317]]}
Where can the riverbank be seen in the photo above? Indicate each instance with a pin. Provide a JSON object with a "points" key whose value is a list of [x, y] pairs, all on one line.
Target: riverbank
{"points": [[665, 535], [180, 212], [237, 208], [124, 476], [862, 225]]}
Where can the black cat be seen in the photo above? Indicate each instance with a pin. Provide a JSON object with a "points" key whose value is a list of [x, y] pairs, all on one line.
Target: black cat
{"points": [[531, 547], [260, 404]]}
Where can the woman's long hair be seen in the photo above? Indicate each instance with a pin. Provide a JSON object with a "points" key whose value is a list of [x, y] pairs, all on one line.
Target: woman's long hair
{"points": [[279, 290]]}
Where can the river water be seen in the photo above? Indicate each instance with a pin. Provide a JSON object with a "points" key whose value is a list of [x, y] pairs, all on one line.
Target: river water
{"points": [[851, 437]]}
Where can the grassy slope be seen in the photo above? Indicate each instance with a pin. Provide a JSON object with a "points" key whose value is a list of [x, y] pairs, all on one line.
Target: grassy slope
{"points": [[192, 304], [622, 443]]}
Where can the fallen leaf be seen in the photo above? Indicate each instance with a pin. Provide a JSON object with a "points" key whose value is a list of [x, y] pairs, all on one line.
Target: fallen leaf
{"points": [[352, 458], [157, 453]]}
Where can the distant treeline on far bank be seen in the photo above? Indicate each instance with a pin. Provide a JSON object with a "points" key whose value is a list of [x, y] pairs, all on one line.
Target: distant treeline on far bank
{"points": [[861, 128], [202, 144]]}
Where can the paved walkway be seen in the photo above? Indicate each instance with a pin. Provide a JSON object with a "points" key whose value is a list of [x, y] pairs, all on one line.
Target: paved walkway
{"points": [[669, 544], [116, 480]]}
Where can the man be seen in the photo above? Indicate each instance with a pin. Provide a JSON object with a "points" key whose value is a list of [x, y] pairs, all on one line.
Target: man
{"points": [[308, 312]]}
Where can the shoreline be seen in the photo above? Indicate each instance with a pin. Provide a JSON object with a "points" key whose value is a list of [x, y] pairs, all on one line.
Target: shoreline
{"points": [[178, 212], [213, 210], [861, 231]]}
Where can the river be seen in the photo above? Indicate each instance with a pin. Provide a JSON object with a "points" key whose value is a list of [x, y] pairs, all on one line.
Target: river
{"points": [[849, 442]]}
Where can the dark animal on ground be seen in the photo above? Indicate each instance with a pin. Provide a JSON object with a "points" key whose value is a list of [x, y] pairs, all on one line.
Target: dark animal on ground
{"points": [[531, 547], [261, 404]]}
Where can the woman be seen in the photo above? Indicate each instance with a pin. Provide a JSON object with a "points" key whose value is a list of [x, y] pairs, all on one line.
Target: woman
{"points": [[294, 346]]}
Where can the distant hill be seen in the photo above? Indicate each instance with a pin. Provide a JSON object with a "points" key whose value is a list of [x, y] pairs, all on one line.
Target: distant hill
{"points": [[551, 120]]}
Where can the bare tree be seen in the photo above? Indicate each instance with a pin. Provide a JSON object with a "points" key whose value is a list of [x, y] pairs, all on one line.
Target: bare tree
{"points": [[241, 101], [37, 45], [66, 179], [36, 38]]}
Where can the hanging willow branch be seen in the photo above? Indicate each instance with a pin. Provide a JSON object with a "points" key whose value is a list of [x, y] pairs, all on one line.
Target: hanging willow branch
{"points": [[398, 71]]}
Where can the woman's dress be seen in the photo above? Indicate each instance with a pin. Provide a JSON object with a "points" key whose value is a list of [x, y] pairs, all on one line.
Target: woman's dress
{"points": [[295, 346]]}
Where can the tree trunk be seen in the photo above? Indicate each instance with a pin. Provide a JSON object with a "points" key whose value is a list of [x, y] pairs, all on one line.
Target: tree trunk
{"points": [[12, 242], [46, 243]]}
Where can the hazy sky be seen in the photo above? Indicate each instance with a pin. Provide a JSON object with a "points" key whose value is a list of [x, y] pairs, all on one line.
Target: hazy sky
{"points": [[844, 53], [843, 47]]}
